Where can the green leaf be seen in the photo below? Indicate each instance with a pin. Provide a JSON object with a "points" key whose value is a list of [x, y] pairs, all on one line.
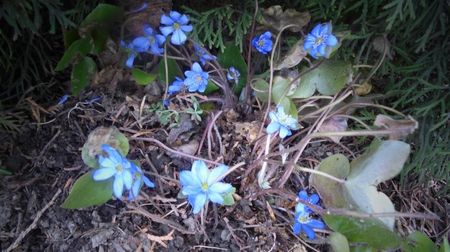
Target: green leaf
{"points": [[328, 78], [211, 88], [87, 192], [232, 56], [332, 192], [100, 37], [338, 242], [445, 247], [228, 199], [70, 36], [261, 88], [81, 74], [173, 70], [103, 14], [418, 242], [280, 90], [103, 135], [79, 48], [368, 231], [143, 78]]}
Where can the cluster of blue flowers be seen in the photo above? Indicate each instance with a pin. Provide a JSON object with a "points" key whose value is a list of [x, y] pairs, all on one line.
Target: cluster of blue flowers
{"points": [[304, 223], [281, 122], [175, 24], [201, 185], [196, 81], [320, 41], [126, 174]]}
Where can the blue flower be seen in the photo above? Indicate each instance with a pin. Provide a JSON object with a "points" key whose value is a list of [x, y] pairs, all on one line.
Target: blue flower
{"points": [[151, 41], [132, 53], [114, 165], [281, 122], [233, 74], [63, 99], [263, 43], [196, 79], [166, 103], [203, 54], [176, 86], [177, 25], [202, 185], [320, 41], [303, 220], [139, 179]]}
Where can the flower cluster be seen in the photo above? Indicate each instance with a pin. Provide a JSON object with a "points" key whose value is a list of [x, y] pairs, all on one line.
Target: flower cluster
{"points": [[320, 41], [126, 174], [304, 223], [263, 43], [201, 185], [282, 122], [196, 80]]}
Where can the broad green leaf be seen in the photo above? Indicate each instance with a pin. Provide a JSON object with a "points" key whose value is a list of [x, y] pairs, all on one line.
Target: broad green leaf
{"points": [[81, 74], [87, 192], [99, 136], [70, 36], [143, 78], [368, 231], [304, 90], [328, 78], [100, 37], [211, 88], [261, 88], [103, 14], [445, 247], [338, 242], [332, 192], [418, 242], [172, 69], [228, 199], [280, 90], [382, 161], [232, 56], [79, 48]]}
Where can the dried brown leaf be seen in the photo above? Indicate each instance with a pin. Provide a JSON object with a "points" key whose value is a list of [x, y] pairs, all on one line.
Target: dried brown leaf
{"points": [[276, 18], [293, 57], [399, 128], [161, 239], [334, 124]]}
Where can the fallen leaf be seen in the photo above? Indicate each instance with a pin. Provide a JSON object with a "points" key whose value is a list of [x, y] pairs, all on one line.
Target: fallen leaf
{"points": [[276, 18], [334, 124], [293, 57], [161, 239], [188, 148], [400, 128]]}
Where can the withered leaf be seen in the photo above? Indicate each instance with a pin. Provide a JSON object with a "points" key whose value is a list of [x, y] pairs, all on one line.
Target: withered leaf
{"points": [[276, 18]]}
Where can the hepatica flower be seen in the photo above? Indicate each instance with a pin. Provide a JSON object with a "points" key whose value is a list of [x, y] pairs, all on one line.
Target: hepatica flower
{"points": [[175, 24], [176, 86], [203, 54], [125, 173], [263, 43], [304, 223], [196, 79], [233, 74], [151, 42], [320, 41], [282, 122], [202, 185], [132, 53]]}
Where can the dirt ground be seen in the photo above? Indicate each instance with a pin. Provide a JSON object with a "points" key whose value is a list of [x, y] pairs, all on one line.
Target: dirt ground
{"points": [[45, 158]]}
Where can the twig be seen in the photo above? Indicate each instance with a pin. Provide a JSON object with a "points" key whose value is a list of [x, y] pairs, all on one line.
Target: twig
{"points": [[48, 144], [248, 88], [33, 224], [323, 174]]}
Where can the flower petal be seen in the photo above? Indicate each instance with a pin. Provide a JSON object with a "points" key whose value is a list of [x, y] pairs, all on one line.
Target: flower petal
{"points": [[148, 30], [309, 232], [188, 178], [130, 61], [178, 37], [186, 28], [316, 31], [199, 202], [272, 127], [166, 20], [297, 228], [284, 132], [197, 68], [127, 179], [301, 210], [220, 187], [216, 173], [331, 40], [200, 171], [148, 182], [183, 19], [118, 186], [322, 49], [160, 38], [166, 30], [175, 15], [216, 198], [135, 188], [303, 195], [112, 153], [103, 174], [316, 224], [191, 190], [106, 162], [314, 199]]}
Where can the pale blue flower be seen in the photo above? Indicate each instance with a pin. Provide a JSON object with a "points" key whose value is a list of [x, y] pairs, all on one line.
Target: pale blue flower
{"points": [[132, 53], [139, 179], [196, 79], [233, 74], [114, 165], [282, 122], [176, 86], [263, 43], [177, 25], [203, 54], [151, 42], [202, 185], [319, 42], [303, 220]]}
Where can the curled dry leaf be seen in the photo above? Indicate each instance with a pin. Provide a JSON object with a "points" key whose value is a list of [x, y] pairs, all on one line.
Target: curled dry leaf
{"points": [[363, 89], [247, 130], [334, 124], [276, 18], [293, 57], [399, 128]]}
